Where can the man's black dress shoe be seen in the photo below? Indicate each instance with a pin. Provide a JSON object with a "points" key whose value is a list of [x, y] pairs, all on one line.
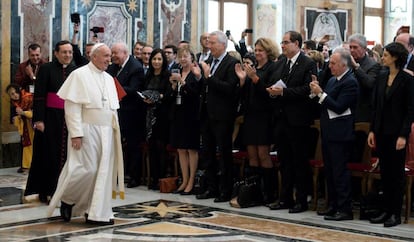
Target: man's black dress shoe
{"points": [[379, 219], [330, 211], [206, 195], [392, 221], [222, 198], [339, 216], [298, 208], [132, 183], [278, 206], [66, 211]]}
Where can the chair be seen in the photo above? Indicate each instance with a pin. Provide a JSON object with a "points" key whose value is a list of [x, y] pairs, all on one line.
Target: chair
{"points": [[316, 165], [240, 158], [409, 176], [362, 169]]}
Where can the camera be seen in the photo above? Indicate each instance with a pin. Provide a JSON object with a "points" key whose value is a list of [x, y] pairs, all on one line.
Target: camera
{"points": [[75, 18], [228, 33], [248, 31], [97, 30]]}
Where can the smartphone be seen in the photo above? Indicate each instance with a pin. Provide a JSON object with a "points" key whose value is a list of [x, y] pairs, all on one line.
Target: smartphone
{"points": [[248, 31], [141, 95], [228, 33]]}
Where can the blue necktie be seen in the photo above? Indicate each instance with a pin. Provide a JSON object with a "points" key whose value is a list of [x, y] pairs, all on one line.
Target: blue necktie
{"points": [[214, 67]]}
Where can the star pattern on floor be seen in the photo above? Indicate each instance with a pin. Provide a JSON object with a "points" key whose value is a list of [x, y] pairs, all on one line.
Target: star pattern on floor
{"points": [[163, 209], [160, 209]]}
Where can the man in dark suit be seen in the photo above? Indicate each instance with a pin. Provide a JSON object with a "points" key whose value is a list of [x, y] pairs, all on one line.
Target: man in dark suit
{"points": [[293, 119], [365, 70], [338, 101], [219, 91], [204, 55], [27, 71], [408, 41], [130, 74]]}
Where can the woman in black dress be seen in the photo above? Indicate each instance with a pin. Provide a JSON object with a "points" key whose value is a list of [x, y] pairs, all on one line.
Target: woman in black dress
{"points": [[157, 95], [185, 121], [257, 128]]}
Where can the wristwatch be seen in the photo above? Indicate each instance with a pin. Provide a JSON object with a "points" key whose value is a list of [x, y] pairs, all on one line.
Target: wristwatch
{"points": [[33, 77], [320, 94]]}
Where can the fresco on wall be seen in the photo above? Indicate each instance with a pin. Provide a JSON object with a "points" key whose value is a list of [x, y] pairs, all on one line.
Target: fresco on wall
{"points": [[172, 17], [120, 20], [110, 22], [266, 20], [319, 22], [32, 13]]}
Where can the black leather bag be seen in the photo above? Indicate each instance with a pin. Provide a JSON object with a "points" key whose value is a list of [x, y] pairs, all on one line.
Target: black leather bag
{"points": [[247, 193]]}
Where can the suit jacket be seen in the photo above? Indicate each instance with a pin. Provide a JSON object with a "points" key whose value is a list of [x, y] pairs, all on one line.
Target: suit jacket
{"points": [[222, 90], [22, 78], [366, 76], [131, 77], [341, 95], [393, 112], [209, 59], [294, 104], [410, 65]]}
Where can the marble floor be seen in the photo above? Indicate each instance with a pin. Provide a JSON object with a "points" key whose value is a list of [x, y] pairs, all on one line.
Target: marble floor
{"points": [[151, 216]]}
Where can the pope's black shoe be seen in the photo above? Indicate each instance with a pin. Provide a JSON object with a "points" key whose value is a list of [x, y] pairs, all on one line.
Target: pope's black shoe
{"points": [[66, 211]]}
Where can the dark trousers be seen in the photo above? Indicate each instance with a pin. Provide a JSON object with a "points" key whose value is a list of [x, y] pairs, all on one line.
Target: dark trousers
{"points": [[292, 144], [133, 132], [336, 155], [217, 138], [392, 165]]}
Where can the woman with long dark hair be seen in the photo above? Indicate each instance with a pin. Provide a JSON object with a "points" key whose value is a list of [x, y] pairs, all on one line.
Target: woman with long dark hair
{"points": [[157, 93]]}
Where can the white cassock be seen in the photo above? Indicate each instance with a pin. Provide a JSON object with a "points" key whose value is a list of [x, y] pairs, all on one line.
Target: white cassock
{"points": [[89, 178]]}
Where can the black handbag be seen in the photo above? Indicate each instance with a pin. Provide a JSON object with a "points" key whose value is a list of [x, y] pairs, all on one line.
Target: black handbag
{"points": [[247, 193]]}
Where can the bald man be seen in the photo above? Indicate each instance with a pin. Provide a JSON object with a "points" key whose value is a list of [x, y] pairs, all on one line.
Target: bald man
{"points": [[408, 41]]}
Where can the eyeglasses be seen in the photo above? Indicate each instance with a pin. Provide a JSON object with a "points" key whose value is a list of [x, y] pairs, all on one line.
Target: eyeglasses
{"points": [[285, 42]]}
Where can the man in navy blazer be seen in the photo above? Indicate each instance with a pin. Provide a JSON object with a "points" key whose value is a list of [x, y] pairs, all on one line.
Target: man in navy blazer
{"points": [[293, 118], [130, 74], [338, 102], [219, 92]]}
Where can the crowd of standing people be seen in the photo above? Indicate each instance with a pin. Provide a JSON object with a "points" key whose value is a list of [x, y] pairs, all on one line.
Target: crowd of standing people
{"points": [[87, 135]]}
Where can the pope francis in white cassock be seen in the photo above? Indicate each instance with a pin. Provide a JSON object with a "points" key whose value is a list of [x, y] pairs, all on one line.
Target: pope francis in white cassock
{"points": [[94, 163]]}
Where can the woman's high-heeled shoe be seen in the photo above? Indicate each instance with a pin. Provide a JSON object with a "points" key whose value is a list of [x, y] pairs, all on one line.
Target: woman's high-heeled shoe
{"points": [[184, 193]]}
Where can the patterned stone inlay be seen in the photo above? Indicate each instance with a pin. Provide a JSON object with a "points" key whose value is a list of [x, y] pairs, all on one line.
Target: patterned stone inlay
{"points": [[167, 228], [290, 230]]}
